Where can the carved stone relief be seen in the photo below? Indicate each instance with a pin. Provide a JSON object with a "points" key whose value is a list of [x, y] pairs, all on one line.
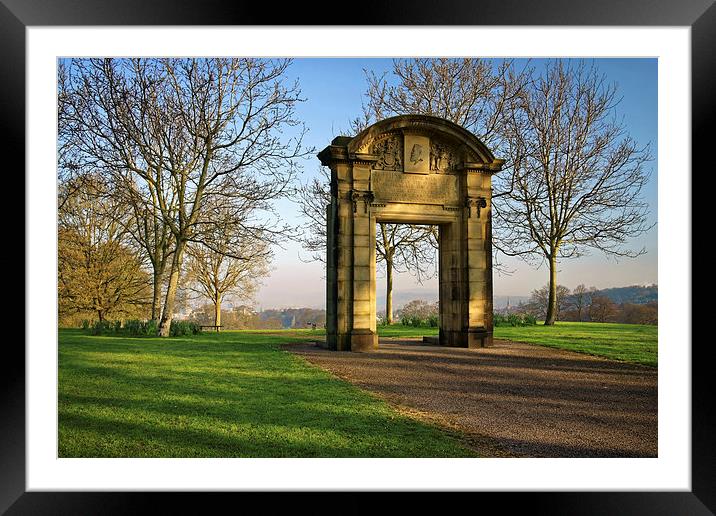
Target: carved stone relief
{"points": [[389, 149], [417, 154], [443, 157]]}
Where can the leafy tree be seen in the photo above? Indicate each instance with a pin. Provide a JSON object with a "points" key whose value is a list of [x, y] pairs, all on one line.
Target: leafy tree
{"points": [[97, 272]]}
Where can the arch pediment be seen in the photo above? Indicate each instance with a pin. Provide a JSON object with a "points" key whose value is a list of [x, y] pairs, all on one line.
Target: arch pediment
{"points": [[420, 144]]}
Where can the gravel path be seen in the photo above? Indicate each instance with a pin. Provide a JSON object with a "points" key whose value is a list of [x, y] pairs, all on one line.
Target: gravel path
{"points": [[512, 399]]}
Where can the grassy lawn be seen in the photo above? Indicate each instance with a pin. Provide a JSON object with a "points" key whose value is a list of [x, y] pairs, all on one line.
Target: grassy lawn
{"points": [[398, 330], [233, 394], [634, 343]]}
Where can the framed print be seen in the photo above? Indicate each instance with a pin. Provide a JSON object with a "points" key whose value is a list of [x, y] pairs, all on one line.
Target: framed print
{"points": [[38, 36]]}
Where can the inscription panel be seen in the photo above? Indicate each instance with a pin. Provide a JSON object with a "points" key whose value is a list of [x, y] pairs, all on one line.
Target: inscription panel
{"points": [[415, 189]]}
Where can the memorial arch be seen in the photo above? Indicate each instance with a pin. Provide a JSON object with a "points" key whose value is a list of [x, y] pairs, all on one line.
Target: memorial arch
{"points": [[411, 169]]}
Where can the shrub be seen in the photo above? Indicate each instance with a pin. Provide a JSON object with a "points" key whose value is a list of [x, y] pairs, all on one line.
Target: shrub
{"points": [[180, 328], [85, 324], [139, 328], [499, 320], [514, 320], [152, 328], [416, 321], [102, 327], [134, 327]]}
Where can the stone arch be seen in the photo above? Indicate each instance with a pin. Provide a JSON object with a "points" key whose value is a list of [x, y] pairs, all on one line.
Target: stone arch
{"points": [[410, 169]]}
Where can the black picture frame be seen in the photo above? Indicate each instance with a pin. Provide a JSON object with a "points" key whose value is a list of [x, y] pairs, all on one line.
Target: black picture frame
{"points": [[17, 15]]}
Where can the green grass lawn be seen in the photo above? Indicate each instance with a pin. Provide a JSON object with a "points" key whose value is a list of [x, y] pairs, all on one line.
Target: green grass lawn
{"points": [[634, 343], [233, 394]]}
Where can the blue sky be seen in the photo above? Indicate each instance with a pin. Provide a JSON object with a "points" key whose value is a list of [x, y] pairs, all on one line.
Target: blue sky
{"points": [[333, 89]]}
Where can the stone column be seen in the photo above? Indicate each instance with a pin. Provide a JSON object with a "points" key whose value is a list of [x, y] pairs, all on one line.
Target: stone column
{"points": [[331, 286], [452, 294], [363, 334], [342, 242], [350, 253], [478, 274]]}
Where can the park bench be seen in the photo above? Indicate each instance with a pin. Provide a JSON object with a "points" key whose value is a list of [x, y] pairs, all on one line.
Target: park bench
{"points": [[211, 326]]}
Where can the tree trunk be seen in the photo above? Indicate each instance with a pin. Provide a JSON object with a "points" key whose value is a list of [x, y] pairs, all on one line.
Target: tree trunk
{"points": [[157, 295], [552, 300], [168, 314], [389, 290], [217, 312]]}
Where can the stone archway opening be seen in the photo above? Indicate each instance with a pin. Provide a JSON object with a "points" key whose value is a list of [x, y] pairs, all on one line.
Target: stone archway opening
{"points": [[406, 271], [409, 169]]}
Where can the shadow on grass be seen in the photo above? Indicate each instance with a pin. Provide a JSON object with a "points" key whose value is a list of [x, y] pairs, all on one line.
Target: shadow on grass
{"points": [[218, 398]]}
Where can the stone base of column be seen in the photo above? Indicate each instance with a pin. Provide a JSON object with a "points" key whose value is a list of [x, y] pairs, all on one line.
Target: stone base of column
{"points": [[331, 339], [472, 338], [479, 338], [363, 340], [338, 341]]}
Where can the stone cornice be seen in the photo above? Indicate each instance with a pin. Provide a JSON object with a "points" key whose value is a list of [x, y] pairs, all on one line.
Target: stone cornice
{"points": [[333, 153], [339, 153], [490, 168]]}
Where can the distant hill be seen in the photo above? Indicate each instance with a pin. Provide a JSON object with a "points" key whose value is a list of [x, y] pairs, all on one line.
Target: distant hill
{"points": [[501, 301], [635, 294], [401, 297], [405, 296]]}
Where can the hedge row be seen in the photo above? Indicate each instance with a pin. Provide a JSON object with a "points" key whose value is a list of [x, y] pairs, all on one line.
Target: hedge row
{"points": [[138, 327]]}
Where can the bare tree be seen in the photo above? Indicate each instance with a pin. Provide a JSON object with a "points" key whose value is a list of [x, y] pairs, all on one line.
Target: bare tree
{"points": [[580, 299], [189, 130], [602, 309], [218, 277], [230, 261], [540, 300], [405, 248], [640, 314], [144, 222], [149, 232], [576, 177], [313, 200], [472, 93]]}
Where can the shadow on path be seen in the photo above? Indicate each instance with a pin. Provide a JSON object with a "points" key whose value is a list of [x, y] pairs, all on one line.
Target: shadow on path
{"points": [[512, 399]]}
